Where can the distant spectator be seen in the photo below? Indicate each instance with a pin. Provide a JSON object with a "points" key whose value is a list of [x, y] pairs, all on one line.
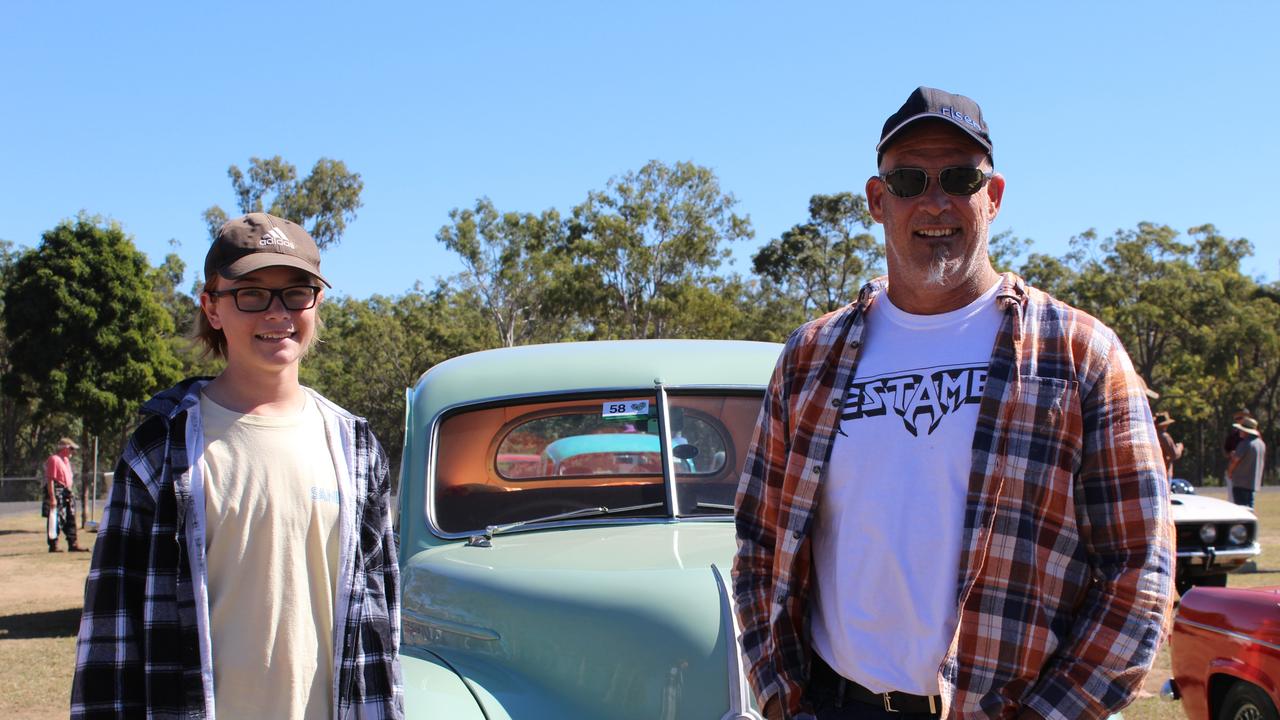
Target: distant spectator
{"points": [[1233, 437], [60, 501], [1245, 467], [1170, 449]]}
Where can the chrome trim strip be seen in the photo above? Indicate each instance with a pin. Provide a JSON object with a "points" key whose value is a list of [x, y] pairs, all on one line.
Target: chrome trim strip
{"points": [[449, 626], [664, 439], [1229, 633], [1244, 552], [739, 692]]}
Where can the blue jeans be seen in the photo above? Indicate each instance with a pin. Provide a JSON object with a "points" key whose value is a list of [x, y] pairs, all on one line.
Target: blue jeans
{"points": [[1242, 496]]}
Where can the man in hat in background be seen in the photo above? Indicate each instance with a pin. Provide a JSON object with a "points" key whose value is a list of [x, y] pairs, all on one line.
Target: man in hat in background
{"points": [[246, 566], [955, 501], [1246, 464], [1171, 450], [59, 500]]}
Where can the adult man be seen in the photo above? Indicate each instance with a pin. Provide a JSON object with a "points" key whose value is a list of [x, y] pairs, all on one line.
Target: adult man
{"points": [[954, 504], [59, 501], [1246, 463], [246, 562], [1169, 448]]}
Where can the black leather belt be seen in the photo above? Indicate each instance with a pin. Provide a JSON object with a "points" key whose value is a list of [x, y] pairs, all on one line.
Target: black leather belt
{"points": [[821, 675]]}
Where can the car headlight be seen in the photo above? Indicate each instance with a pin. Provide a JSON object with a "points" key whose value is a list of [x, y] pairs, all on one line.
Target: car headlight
{"points": [[1208, 533], [1239, 534]]}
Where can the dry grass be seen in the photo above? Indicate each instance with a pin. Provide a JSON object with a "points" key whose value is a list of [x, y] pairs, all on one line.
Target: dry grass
{"points": [[40, 598], [41, 594]]}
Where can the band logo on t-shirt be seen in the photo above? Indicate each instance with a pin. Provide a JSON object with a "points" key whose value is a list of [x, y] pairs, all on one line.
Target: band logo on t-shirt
{"points": [[920, 398]]}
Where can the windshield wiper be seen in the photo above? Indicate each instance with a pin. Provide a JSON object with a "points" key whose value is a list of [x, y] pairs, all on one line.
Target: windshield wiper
{"points": [[714, 506], [486, 539]]}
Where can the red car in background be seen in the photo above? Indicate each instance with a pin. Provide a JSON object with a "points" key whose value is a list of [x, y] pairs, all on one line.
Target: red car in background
{"points": [[1226, 654]]}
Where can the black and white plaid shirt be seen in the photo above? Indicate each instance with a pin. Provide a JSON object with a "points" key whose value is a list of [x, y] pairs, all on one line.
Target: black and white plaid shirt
{"points": [[139, 650]]}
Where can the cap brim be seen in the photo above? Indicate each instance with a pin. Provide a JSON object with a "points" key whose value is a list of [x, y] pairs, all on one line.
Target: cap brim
{"points": [[258, 261], [931, 116], [1244, 429]]}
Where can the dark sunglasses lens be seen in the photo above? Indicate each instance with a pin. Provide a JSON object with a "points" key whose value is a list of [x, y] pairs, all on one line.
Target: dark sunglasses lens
{"points": [[961, 180], [906, 182]]}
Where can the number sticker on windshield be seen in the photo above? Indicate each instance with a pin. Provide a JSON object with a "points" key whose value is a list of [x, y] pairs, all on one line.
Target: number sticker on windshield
{"points": [[626, 409]]}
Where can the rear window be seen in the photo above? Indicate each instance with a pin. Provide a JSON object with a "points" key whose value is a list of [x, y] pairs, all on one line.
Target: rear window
{"points": [[525, 461]]}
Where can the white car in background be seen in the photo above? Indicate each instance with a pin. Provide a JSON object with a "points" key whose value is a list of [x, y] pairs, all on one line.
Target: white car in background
{"points": [[1215, 537]]}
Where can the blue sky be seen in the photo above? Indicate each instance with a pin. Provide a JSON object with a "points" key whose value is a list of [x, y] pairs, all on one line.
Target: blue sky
{"points": [[1103, 114]]}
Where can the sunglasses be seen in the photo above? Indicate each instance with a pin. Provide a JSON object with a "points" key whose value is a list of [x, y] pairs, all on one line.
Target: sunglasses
{"points": [[910, 182], [257, 299]]}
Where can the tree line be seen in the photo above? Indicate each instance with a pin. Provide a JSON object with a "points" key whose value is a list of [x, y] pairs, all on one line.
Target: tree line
{"points": [[89, 329]]}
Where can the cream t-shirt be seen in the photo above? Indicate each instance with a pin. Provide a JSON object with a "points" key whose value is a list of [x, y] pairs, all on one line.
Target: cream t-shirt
{"points": [[271, 539]]}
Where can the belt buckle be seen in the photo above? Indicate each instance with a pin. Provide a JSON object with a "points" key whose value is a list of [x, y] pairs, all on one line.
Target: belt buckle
{"points": [[888, 703]]}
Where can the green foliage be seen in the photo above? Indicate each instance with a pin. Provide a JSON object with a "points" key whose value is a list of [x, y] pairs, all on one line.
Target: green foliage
{"points": [[822, 263], [371, 350], [323, 202], [516, 264], [1201, 333], [645, 242], [85, 326]]}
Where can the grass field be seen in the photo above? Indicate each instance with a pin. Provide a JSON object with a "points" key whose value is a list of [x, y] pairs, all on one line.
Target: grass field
{"points": [[41, 594]]}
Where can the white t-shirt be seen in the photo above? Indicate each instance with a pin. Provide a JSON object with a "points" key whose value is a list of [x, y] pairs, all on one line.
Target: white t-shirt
{"points": [[271, 498], [886, 542]]}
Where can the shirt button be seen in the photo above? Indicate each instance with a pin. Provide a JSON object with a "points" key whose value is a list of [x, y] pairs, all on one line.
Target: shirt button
{"points": [[817, 469], [796, 534], [835, 402], [782, 598]]}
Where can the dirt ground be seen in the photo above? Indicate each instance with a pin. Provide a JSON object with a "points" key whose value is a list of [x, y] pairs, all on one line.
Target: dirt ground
{"points": [[40, 598]]}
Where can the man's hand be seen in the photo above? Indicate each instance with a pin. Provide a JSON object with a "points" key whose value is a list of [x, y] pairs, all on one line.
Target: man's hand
{"points": [[773, 709]]}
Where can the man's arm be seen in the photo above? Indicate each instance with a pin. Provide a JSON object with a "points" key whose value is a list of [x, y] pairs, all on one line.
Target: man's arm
{"points": [[50, 479], [1235, 459], [756, 513], [1123, 511], [109, 677]]}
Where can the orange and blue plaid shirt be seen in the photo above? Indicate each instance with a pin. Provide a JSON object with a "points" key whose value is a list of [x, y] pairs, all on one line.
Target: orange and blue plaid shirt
{"points": [[1067, 559]]}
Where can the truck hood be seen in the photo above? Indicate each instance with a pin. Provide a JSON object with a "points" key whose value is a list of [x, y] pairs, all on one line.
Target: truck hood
{"points": [[623, 621]]}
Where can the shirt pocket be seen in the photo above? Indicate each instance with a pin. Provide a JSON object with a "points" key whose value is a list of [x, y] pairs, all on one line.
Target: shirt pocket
{"points": [[1043, 436]]}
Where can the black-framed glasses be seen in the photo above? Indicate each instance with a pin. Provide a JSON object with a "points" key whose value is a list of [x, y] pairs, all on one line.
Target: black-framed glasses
{"points": [[257, 299], [910, 182]]}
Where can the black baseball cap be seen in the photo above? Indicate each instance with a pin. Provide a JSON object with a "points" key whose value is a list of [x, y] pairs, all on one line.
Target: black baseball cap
{"points": [[259, 240], [927, 103]]}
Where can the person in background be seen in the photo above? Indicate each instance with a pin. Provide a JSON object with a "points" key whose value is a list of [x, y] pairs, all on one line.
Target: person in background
{"points": [[59, 500], [246, 564], [1246, 464], [1171, 450]]}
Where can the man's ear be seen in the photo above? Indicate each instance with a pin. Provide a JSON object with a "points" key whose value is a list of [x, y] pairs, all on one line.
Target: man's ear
{"points": [[995, 193], [210, 309], [875, 198]]}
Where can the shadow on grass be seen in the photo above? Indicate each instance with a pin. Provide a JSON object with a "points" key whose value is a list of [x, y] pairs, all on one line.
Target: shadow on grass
{"points": [[51, 624], [19, 532]]}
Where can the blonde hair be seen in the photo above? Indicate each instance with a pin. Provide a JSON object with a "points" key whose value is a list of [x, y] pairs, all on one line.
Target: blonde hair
{"points": [[213, 339]]}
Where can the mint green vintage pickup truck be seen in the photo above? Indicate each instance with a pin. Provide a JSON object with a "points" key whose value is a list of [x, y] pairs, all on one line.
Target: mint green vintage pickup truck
{"points": [[566, 531]]}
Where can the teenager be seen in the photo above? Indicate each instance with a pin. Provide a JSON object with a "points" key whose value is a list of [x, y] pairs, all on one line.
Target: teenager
{"points": [[246, 563]]}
